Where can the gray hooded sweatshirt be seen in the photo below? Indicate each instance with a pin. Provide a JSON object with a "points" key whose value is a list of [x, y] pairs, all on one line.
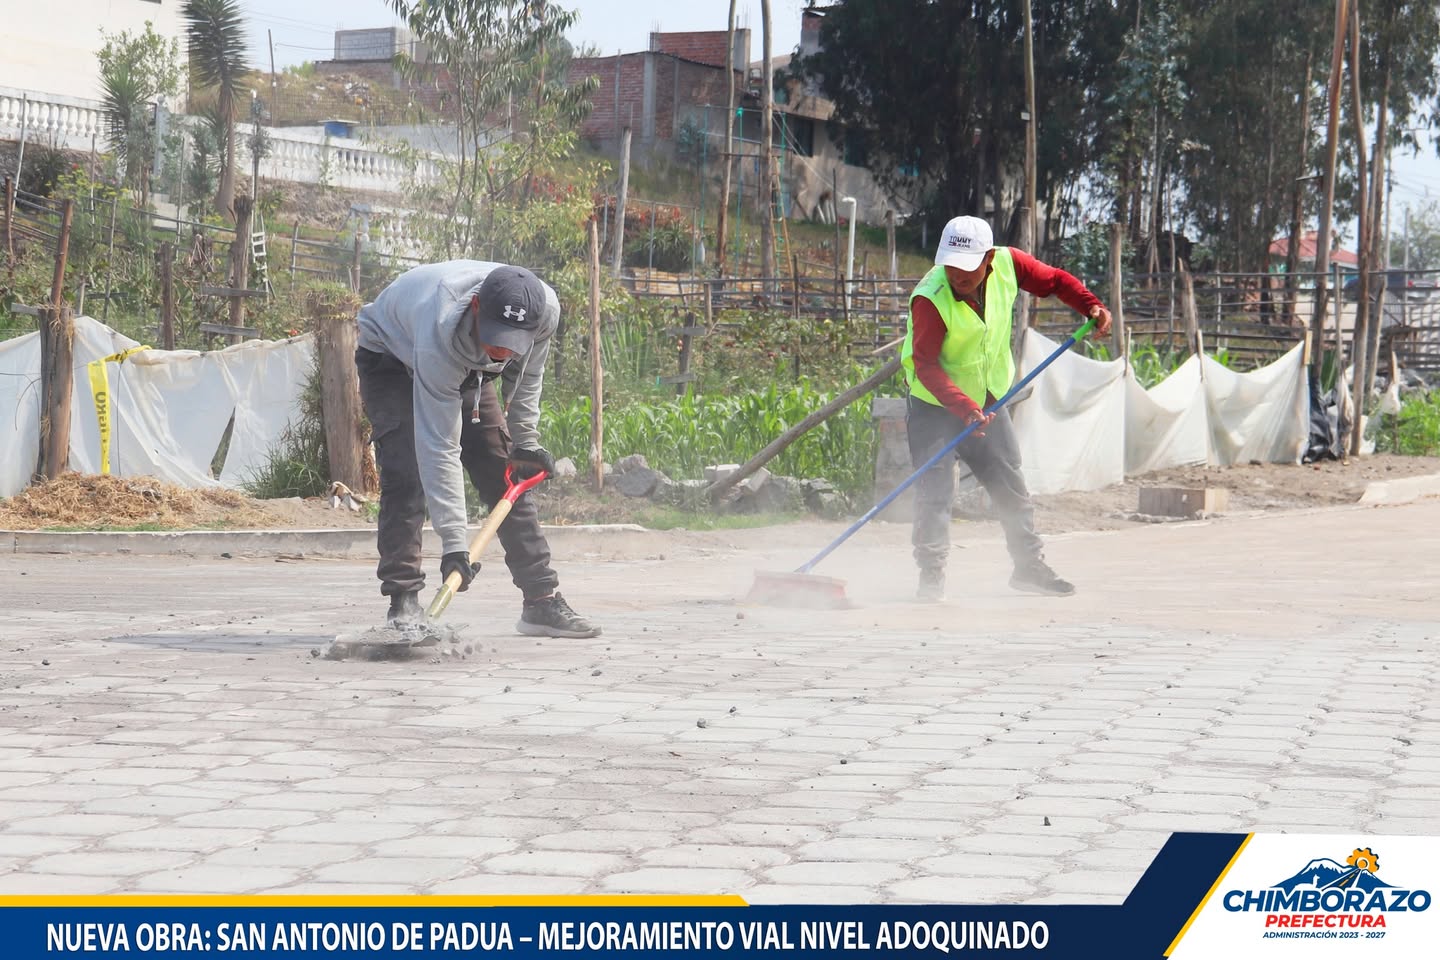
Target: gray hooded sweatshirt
{"points": [[417, 320]]}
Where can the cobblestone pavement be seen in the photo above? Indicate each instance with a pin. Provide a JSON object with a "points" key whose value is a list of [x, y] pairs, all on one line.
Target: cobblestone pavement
{"points": [[164, 727]]}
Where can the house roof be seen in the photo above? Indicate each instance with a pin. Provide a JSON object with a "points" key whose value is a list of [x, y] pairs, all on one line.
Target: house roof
{"points": [[1281, 248]]}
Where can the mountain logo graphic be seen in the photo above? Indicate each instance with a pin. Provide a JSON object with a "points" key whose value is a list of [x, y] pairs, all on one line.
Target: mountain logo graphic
{"points": [[1358, 872]]}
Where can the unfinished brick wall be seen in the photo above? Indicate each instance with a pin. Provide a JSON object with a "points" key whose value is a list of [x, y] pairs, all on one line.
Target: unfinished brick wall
{"points": [[706, 46], [681, 89]]}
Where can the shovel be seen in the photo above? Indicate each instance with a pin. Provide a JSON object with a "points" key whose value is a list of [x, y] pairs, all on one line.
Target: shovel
{"points": [[399, 638], [492, 523], [802, 588]]}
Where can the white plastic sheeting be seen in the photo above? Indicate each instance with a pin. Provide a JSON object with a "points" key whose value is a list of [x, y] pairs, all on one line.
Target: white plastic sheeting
{"points": [[1072, 426], [1089, 424], [169, 409]]}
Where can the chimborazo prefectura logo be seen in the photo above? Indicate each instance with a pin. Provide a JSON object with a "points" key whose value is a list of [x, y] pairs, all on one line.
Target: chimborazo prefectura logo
{"points": [[1330, 899]]}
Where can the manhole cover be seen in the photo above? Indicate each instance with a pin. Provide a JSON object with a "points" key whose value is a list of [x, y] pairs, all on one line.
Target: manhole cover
{"points": [[228, 642]]}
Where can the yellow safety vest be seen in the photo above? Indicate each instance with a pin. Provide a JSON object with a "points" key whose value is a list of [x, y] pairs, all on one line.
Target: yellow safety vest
{"points": [[975, 354]]}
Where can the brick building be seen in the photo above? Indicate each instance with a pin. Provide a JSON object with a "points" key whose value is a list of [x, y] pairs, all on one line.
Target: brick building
{"points": [[677, 85]]}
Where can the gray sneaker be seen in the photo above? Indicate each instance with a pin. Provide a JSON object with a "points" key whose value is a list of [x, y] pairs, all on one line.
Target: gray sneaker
{"points": [[405, 608], [932, 586], [552, 617]]}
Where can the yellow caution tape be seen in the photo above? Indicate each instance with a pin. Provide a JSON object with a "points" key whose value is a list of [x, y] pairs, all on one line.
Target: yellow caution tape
{"points": [[100, 389]]}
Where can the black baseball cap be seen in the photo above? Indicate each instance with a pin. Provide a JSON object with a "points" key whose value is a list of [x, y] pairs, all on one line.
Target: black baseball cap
{"points": [[508, 308]]}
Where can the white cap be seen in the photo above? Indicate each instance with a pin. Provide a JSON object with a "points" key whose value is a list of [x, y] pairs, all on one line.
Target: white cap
{"points": [[964, 243]]}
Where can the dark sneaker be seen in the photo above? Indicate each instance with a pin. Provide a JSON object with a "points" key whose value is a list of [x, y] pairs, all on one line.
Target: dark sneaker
{"points": [[932, 586], [405, 608], [552, 617], [1035, 576]]}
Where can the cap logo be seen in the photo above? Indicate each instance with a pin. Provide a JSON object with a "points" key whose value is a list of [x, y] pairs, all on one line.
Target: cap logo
{"points": [[957, 240], [516, 314]]}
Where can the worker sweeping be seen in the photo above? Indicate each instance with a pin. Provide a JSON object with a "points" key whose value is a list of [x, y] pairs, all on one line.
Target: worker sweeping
{"points": [[957, 359], [431, 348]]}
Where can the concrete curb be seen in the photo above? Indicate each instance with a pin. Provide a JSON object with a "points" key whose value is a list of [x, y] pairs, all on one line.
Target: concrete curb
{"points": [[1404, 490], [356, 543]]}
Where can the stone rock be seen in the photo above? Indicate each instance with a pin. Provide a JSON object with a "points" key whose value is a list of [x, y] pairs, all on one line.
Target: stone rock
{"points": [[723, 470], [681, 493], [779, 495], [606, 470], [638, 481], [636, 461], [830, 505], [971, 501], [754, 483], [565, 468]]}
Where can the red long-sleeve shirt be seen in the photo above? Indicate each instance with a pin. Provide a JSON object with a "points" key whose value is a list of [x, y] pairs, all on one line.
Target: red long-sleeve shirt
{"points": [[1032, 276]]}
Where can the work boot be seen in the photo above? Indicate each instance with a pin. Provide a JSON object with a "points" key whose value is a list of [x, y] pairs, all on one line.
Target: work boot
{"points": [[552, 617], [405, 608], [932, 585], [1035, 576]]}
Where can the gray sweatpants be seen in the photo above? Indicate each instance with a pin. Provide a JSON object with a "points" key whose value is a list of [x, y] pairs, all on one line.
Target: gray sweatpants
{"points": [[994, 459], [386, 390]]}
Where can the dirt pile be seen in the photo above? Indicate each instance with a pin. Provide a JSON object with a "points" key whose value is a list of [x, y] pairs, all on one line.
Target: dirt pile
{"points": [[92, 502]]}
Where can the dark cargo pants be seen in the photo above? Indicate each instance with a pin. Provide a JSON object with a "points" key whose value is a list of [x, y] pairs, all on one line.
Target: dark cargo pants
{"points": [[994, 459], [386, 389]]}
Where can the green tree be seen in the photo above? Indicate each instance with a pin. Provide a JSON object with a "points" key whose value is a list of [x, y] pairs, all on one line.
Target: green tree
{"points": [[216, 33], [515, 193], [937, 90], [137, 71], [1423, 242]]}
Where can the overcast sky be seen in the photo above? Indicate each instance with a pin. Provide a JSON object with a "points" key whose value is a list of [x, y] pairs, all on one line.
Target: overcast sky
{"points": [[305, 29]]}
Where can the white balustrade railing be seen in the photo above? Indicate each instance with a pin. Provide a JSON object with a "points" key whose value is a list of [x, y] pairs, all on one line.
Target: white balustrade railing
{"points": [[299, 156], [68, 122], [304, 157]]}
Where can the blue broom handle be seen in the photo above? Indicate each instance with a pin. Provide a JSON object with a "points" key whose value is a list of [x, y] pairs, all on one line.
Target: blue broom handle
{"points": [[1079, 334]]}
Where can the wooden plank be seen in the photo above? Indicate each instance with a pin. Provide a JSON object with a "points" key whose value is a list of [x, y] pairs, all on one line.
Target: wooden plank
{"points": [[24, 311], [689, 377], [226, 330], [1188, 502], [686, 331], [210, 291]]}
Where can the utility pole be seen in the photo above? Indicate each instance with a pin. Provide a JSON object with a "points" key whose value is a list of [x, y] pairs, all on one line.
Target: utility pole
{"points": [[767, 157], [727, 162], [1322, 242], [1031, 242]]}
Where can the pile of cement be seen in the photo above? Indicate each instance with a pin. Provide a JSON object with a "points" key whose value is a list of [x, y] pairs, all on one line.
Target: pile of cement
{"points": [[401, 641]]}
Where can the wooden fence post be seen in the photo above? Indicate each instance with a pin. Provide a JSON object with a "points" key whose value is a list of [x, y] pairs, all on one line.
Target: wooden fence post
{"points": [[240, 263], [58, 376], [10, 220], [1117, 301], [62, 252], [167, 295], [618, 248], [1192, 313], [340, 408], [355, 265], [597, 374]]}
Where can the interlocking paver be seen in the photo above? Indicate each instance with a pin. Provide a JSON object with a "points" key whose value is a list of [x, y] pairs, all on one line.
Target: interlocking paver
{"points": [[870, 756]]}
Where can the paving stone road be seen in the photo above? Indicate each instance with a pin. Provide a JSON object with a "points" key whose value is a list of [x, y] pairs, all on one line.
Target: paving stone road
{"points": [[165, 728]]}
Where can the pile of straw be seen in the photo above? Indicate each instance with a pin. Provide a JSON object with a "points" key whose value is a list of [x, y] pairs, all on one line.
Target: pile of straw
{"points": [[92, 502]]}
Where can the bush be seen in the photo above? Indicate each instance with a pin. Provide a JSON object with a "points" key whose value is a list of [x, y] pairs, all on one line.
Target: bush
{"points": [[684, 435], [44, 167], [299, 466], [1415, 431]]}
